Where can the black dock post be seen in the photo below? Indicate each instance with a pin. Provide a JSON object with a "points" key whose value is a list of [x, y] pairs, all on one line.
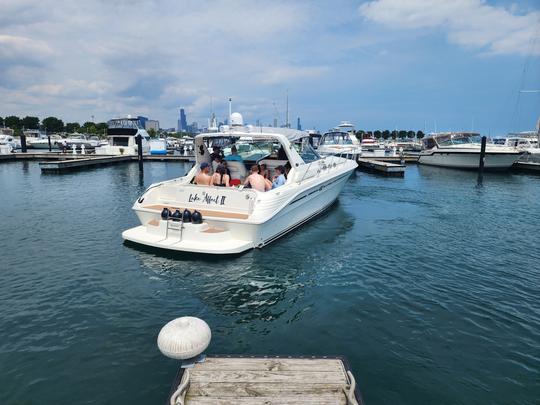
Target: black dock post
{"points": [[23, 143], [482, 160], [139, 152], [49, 139]]}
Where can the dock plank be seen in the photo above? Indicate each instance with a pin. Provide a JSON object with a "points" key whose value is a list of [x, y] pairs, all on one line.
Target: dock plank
{"points": [[289, 377], [248, 389], [321, 399], [272, 364]]}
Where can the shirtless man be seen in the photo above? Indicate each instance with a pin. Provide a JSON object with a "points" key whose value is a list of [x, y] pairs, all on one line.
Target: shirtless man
{"points": [[255, 180], [203, 178]]}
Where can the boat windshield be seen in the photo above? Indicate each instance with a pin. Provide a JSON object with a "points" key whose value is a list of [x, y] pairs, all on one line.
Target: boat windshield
{"points": [[124, 123], [306, 151], [251, 150], [458, 139], [336, 138]]}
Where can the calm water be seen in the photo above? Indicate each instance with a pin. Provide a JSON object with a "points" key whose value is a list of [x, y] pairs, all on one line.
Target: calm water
{"points": [[429, 285]]}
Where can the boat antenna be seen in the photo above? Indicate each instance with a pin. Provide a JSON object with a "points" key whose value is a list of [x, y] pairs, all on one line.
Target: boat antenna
{"points": [[287, 113]]}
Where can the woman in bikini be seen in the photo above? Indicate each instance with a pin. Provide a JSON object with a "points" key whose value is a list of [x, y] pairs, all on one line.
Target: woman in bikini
{"points": [[220, 177]]}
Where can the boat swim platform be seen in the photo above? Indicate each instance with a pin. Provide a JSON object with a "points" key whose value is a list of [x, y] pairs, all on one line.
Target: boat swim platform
{"points": [[268, 380], [529, 167], [382, 167]]}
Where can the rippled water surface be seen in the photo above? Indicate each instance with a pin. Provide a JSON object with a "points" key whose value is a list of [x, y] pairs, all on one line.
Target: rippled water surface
{"points": [[429, 285]]}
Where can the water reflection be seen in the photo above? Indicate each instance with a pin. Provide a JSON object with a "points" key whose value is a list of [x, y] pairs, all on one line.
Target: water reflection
{"points": [[261, 284]]}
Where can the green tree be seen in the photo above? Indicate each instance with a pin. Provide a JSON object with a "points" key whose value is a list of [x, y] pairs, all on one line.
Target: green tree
{"points": [[419, 134], [386, 134], [411, 134], [402, 134], [1, 121], [72, 127], [89, 127], [12, 122], [30, 122], [152, 132], [53, 124], [378, 134], [360, 134], [394, 134]]}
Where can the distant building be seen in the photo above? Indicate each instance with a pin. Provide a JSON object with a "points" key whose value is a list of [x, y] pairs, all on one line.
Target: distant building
{"points": [[152, 124], [182, 121], [298, 125], [142, 120]]}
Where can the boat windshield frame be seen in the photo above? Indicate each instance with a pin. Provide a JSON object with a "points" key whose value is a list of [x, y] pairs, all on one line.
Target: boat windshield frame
{"points": [[345, 136]]}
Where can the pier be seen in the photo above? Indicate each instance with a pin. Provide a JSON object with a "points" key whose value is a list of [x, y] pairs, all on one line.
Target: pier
{"points": [[383, 167], [267, 380], [77, 164]]}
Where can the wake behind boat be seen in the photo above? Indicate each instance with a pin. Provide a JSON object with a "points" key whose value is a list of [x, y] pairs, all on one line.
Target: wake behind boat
{"points": [[226, 220], [461, 150]]}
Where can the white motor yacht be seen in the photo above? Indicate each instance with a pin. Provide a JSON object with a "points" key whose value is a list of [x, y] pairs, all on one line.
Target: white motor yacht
{"points": [[180, 215], [8, 143], [461, 150], [341, 141], [121, 135], [33, 135], [43, 143]]}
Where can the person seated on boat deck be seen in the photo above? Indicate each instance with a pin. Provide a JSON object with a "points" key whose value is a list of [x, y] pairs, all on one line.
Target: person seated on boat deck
{"points": [[223, 162], [234, 156], [203, 178], [279, 178], [220, 177], [263, 171], [255, 180], [216, 157]]}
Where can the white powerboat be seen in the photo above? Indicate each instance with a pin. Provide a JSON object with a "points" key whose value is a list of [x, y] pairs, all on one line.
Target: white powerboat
{"points": [[121, 136], [33, 135], [43, 143], [461, 150], [7, 143], [341, 141], [182, 216]]}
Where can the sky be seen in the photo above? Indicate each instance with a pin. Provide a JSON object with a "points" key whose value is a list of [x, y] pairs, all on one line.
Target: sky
{"points": [[382, 64]]}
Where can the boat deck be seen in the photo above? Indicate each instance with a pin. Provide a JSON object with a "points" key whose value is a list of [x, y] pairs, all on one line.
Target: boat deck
{"points": [[268, 380]]}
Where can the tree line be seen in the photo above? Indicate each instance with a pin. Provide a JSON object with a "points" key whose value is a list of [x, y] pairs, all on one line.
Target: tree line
{"points": [[386, 134], [52, 125]]}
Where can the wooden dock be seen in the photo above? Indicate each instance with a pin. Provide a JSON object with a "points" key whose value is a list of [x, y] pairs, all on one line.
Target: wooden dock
{"points": [[80, 163], [383, 167], [224, 380]]}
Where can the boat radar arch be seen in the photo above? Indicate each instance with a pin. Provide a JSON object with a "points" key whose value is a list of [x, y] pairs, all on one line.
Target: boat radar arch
{"points": [[184, 338], [237, 120]]}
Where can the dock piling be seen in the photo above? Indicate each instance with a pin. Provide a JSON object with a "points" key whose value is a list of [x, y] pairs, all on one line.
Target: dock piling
{"points": [[482, 160], [49, 140], [23, 143], [139, 152]]}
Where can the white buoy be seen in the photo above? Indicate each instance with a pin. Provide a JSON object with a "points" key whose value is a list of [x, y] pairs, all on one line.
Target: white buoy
{"points": [[184, 338]]}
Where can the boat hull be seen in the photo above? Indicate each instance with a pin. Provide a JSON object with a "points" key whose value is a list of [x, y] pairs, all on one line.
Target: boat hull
{"points": [[235, 237]]}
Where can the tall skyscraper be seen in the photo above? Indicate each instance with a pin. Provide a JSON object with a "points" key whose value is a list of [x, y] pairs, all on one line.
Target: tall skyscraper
{"points": [[298, 125], [182, 121]]}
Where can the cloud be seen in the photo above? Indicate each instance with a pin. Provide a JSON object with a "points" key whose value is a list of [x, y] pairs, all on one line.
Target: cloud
{"points": [[469, 23]]}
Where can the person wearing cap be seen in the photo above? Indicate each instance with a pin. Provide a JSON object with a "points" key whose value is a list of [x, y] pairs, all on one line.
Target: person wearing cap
{"points": [[203, 178]]}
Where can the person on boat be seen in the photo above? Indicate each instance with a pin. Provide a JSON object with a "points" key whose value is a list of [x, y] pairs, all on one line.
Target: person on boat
{"points": [[216, 157], [203, 178], [279, 178], [263, 171], [234, 156], [220, 177], [255, 180]]}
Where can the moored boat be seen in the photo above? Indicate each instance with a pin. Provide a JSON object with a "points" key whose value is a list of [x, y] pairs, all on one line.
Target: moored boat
{"points": [[121, 136], [461, 150]]}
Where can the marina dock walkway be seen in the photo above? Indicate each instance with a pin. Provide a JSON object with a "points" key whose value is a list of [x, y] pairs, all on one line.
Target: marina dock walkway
{"points": [[268, 380]]}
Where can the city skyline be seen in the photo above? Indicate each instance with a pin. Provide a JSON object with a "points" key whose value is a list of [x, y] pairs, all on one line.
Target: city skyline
{"points": [[380, 64]]}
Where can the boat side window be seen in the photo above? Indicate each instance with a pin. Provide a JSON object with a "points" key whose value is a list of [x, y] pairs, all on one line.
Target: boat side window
{"points": [[429, 143], [120, 141]]}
